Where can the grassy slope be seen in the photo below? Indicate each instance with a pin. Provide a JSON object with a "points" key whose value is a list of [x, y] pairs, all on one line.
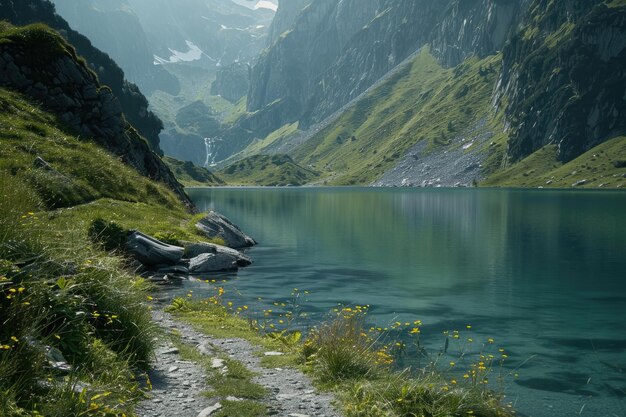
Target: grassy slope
{"points": [[266, 170], [266, 145], [422, 102], [57, 287], [191, 175], [603, 166]]}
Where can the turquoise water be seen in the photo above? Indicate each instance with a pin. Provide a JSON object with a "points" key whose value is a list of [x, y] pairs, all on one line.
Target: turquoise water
{"points": [[541, 272]]}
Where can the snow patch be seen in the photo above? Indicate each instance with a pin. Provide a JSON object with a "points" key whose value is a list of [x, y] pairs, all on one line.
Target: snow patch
{"points": [[265, 4], [193, 54]]}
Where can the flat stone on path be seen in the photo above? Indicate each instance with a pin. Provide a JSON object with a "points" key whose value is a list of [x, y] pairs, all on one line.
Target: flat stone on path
{"points": [[210, 410]]}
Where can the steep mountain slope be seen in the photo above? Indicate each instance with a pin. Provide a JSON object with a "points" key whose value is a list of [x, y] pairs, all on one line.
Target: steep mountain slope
{"points": [[113, 27], [336, 50], [558, 80], [134, 104], [421, 111], [38, 62], [562, 81]]}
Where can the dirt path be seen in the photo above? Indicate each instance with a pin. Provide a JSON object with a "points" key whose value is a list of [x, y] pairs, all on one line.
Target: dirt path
{"points": [[178, 384]]}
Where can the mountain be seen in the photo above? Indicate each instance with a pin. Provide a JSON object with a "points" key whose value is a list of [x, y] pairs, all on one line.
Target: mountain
{"points": [[133, 102], [37, 62], [113, 27], [441, 93]]}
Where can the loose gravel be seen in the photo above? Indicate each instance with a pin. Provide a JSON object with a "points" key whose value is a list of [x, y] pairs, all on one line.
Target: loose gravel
{"points": [[178, 384]]}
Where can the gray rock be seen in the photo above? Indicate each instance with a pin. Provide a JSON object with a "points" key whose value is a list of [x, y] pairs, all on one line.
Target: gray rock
{"points": [[150, 251], [214, 225], [174, 270], [193, 250], [210, 262], [210, 410]]}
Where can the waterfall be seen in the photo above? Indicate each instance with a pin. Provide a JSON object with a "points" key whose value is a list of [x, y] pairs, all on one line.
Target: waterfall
{"points": [[211, 151]]}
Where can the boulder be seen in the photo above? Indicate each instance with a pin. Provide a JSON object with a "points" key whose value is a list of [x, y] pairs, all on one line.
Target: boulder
{"points": [[150, 251], [212, 262], [214, 225], [193, 250]]}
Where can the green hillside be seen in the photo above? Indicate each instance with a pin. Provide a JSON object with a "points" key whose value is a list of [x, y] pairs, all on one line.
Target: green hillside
{"points": [[421, 102], [190, 175], [267, 170], [58, 288], [602, 167]]}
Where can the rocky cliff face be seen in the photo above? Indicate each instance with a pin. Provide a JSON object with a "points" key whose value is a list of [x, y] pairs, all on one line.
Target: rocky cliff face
{"points": [[37, 62], [563, 78], [232, 82], [286, 15], [286, 75], [113, 27], [475, 27], [134, 104], [297, 79]]}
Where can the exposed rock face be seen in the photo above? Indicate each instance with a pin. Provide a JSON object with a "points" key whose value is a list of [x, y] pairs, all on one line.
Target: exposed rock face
{"points": [[563, 78], [40, 64], [286, 15], [232, 82], [214, 225], [133, 103], [334, 51], [113, 27], [477, 27]]}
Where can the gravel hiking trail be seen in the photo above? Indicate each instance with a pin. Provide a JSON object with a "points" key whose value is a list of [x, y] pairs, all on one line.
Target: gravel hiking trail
{"points": [[178, 385]]}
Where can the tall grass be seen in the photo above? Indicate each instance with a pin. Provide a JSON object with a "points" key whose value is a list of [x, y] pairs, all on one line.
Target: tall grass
{"points": [[64, 296]]}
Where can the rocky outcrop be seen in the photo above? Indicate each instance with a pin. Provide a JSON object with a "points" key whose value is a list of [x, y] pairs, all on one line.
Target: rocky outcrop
{"points": [[562, 79], [132, 101], [162, 262], [232, 82], [214, 225], [37, 61], [286, 15]]}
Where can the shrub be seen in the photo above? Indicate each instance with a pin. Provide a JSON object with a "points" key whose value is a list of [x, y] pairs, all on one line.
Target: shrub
{"points": [[110, 235], [340, 349]]}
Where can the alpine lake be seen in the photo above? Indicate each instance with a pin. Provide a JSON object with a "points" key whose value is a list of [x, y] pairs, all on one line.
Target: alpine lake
{"points": [[536, 278]]}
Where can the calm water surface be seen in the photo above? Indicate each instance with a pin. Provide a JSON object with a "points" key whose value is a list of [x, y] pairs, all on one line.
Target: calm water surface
{"points": [[541, 272]]}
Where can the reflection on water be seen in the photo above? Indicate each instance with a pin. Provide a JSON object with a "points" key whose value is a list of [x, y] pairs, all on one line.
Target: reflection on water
{"points": [[542, 272]]}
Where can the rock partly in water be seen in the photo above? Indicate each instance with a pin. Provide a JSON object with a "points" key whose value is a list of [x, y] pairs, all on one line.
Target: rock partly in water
{"points": [[212, 262], [193, 250], [214, 225], [150, 251]]}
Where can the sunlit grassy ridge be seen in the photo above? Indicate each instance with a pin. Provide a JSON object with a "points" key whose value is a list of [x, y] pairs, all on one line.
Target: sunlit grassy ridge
{"points": [[190, 175], [602, 167], [421, 102], [267, 170], [58, 289]]}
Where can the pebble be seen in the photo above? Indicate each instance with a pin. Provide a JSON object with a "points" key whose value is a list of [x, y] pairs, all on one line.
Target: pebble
{"points": [[273, 354]]}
